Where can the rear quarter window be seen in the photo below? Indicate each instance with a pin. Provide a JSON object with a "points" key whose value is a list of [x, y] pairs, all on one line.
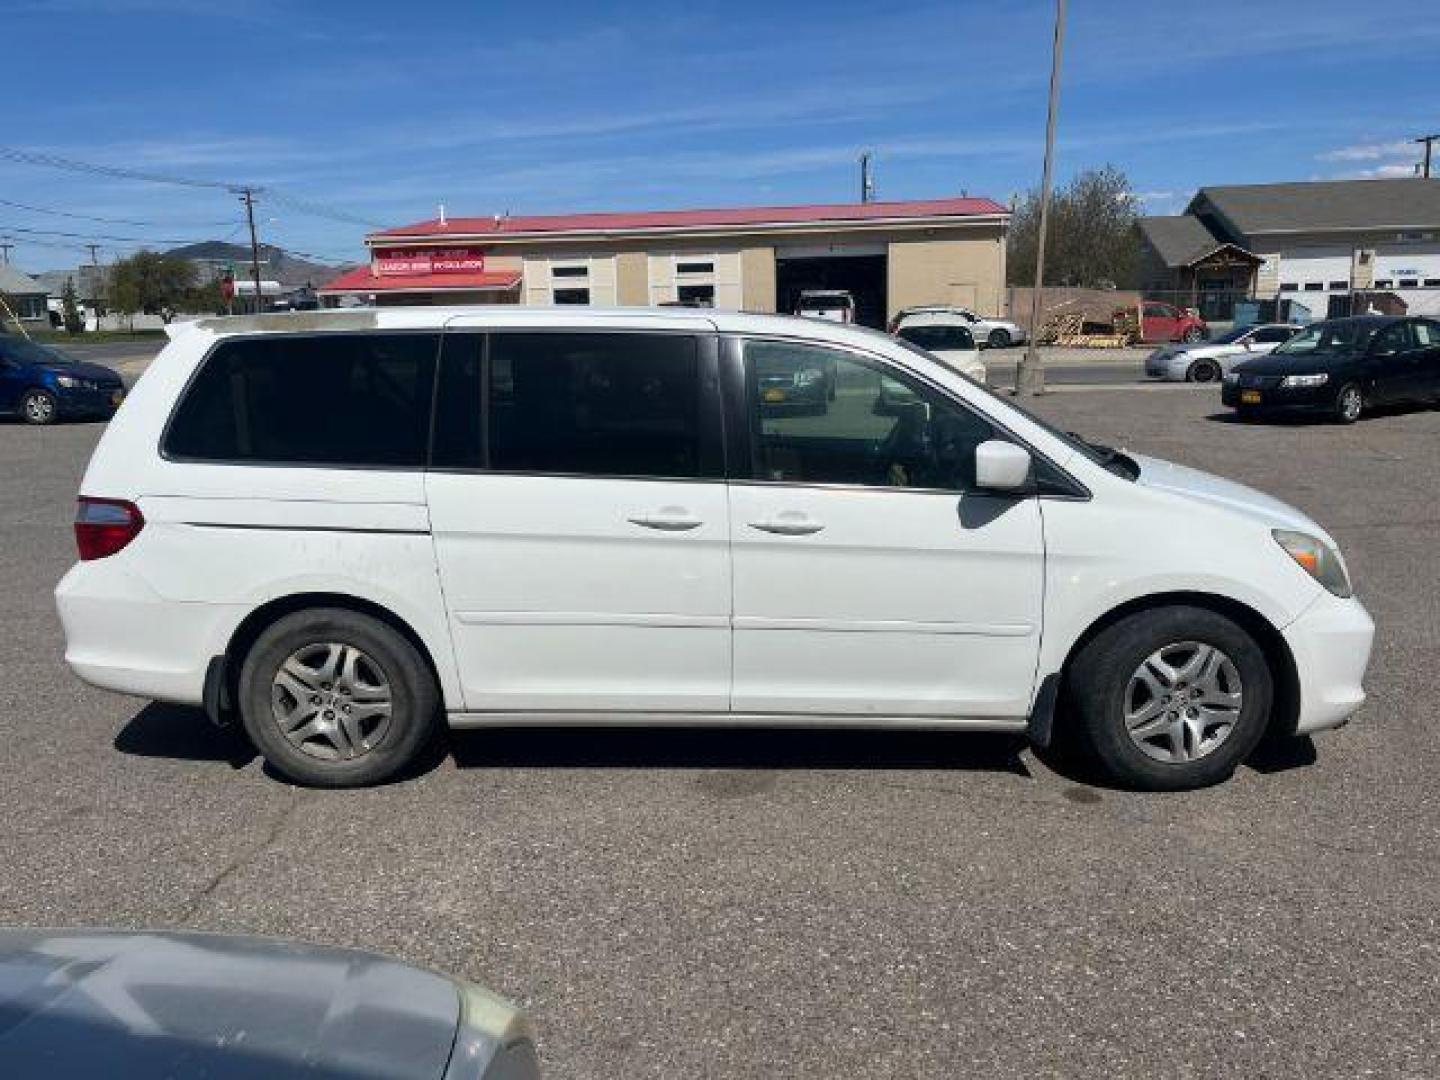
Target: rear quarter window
{"points": [[331, 399]]}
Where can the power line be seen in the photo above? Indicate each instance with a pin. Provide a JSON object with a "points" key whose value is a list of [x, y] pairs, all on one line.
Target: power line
{"points": [[104, 220], [54, 161], [108, 237]]}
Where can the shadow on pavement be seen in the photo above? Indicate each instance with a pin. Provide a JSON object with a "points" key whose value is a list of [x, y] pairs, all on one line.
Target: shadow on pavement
{"points": [[1282, 755], [736, 748], [184, 734]]}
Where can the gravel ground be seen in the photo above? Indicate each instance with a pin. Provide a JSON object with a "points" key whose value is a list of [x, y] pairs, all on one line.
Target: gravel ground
{"points": [[762, 904]]}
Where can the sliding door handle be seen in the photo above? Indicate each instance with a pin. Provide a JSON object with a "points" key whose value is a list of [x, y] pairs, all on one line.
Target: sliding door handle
{"points": [[667, 519], [788, 525]]}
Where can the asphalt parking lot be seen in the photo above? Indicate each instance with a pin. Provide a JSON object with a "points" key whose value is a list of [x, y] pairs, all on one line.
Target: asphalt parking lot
{"points": [[767, 904]]}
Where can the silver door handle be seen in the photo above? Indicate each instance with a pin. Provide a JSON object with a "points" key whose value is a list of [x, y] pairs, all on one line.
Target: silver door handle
{"points": [[788, 526], [667, 521]]}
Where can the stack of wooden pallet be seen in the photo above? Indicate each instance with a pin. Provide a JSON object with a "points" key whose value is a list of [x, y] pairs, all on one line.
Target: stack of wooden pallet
{"points": [[1072, 330]]}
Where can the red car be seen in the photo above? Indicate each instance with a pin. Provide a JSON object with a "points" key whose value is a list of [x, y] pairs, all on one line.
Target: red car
{"points": [[1164, 322]]}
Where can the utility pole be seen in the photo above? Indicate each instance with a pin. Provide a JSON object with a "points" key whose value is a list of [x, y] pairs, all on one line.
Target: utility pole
{"points": [[1428, 141], [5, 251], [867, 180], [247, 196], [1030, 374], [94, 258]]}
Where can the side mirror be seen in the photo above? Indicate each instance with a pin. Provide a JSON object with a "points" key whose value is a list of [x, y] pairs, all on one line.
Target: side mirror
{"points": [[1001, 466]]}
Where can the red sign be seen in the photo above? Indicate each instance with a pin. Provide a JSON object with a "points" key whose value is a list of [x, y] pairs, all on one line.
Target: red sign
{"points": [[391, 262]]}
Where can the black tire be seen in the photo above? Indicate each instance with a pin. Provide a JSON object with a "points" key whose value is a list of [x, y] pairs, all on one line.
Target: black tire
{"points": [[998, 339], [1192, 335], [1349, 404], [1202, 371], [1100, 676], [414, 719], [39, 407]]}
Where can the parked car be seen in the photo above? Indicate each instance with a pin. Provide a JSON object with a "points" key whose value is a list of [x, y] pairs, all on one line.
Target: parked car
{"points": [[834, 305], [167, 1003], [1342, 367], [1209, 362], [988, 333], [41, 384], [946, 337], [572, 515], [1165, 322]]}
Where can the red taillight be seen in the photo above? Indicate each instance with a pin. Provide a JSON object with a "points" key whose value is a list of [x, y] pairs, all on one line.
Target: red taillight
{"points": [[105, 526]]}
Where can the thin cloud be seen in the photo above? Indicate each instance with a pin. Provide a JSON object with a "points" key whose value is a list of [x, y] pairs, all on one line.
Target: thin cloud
{"points": [[1371, 151]]}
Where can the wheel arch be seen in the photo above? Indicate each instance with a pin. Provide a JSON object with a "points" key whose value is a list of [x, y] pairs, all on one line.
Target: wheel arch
{"points": [[243, 638], [1285, 710]]}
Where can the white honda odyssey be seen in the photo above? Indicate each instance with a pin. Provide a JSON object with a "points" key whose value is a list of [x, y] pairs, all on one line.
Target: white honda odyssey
{"points": [[349, 530]]}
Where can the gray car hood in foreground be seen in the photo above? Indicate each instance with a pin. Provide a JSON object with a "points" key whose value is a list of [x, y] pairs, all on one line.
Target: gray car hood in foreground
{"points": [[1194, 484], [116, 1004]]}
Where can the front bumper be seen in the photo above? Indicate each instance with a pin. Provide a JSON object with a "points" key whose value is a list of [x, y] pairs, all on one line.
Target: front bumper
{"points": [[1330, 644], [102, 402], [1277, 399], [1161, 364]]}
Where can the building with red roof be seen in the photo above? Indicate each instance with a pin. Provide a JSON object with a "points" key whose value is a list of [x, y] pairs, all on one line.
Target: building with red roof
{"points": [[887, 255]]}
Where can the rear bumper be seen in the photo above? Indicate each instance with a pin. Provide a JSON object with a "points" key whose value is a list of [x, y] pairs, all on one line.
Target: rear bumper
{"points": [[1331, 645], [120, 635]]}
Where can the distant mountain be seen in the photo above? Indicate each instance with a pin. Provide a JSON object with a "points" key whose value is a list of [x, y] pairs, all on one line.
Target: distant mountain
{"points": [[291, 271]]}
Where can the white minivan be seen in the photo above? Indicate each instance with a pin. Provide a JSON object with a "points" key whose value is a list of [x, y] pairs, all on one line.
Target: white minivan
{"points": [[350, 529]]}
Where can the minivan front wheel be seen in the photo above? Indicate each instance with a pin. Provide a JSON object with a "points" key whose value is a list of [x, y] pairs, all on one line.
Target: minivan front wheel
{"points": [[1171, 698], [336, 698]]}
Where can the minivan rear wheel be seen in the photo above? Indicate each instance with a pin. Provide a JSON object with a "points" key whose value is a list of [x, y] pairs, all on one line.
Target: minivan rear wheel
{"points": [[337, 698], [1171, 698]]}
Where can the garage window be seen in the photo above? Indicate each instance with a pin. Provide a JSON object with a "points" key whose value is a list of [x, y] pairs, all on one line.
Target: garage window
{"points": [[1339, 286], [695, 268], [702, 295], [571, 296], [331, 399]]}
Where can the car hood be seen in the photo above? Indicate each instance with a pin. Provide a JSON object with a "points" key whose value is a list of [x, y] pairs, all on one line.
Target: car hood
{"points": [[1282, 364], [81, 370], [108, 1003], [1206, 487]]}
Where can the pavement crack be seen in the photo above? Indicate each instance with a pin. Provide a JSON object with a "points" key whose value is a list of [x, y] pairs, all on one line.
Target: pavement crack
{"points": [[245, 859]]}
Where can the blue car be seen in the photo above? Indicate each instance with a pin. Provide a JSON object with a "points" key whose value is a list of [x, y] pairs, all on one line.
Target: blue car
{"points": [[41, 385]]}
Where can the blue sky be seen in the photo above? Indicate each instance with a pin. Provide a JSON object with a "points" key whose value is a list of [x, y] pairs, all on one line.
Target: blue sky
{"points": [[379, 111]]}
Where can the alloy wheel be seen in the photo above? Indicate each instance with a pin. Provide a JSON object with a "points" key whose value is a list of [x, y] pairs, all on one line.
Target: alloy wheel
{"points": [[39, 408], [1182, 702], [1351, 403], [331, 701]]}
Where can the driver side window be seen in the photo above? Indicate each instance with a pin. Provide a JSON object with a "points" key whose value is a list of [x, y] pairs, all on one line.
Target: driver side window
{"points": [[825, 416]]}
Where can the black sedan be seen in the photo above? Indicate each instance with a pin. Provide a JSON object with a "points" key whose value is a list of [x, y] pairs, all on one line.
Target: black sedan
{"points": [[1342, 367]]}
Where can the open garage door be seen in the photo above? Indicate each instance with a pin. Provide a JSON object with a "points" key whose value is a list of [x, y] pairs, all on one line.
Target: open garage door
{"points": [[863, 276]]}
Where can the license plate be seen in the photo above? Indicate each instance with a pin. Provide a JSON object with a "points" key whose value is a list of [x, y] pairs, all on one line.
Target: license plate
{"points": [[773, 395], [1249, 397]]}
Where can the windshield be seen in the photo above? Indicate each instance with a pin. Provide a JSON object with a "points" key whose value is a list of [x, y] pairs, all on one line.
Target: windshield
{"points": [[1107, 457], [1327, 338], [27, 352]]}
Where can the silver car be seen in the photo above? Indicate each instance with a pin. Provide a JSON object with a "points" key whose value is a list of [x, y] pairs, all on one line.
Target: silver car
{"points": [[1209, 361], [988, 333]]}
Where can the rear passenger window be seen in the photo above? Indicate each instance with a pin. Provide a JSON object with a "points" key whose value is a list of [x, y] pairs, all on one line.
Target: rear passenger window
{"points": [[332, 399], [612, 404]]}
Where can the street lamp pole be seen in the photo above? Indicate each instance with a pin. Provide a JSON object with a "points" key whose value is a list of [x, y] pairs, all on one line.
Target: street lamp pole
{"points": [[1030, 374]]}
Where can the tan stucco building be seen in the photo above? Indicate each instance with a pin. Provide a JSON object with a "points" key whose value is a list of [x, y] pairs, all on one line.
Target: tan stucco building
{"points": [[888, 255]]}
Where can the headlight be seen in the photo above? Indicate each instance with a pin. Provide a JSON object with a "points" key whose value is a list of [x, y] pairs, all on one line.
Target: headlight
{"points": [[808, 377], [67, 381], [1305, 380], [1316, 558]]}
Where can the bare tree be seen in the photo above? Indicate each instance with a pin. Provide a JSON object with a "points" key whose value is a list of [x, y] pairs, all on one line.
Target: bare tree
{"points": [[1092, 238]]}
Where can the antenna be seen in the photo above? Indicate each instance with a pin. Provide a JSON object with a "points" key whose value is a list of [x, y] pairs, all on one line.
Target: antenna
{"points": [[867, 181]]}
